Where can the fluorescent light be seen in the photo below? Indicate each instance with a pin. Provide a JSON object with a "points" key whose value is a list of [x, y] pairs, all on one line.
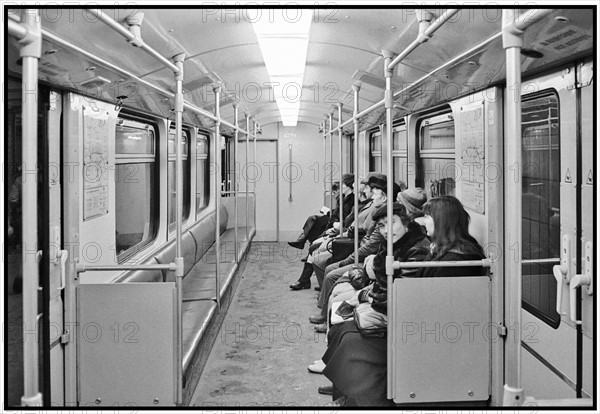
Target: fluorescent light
{"points": [[283, 42]]}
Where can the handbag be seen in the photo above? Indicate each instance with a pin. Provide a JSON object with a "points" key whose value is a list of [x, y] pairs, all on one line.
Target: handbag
{"points": [[340, 248], [369, 322]]}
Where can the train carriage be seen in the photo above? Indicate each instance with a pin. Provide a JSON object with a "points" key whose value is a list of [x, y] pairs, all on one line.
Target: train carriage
{"points": [[153, 154]]}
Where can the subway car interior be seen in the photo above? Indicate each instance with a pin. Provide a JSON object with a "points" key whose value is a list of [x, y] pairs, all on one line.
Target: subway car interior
{"points": [[300, 205]]}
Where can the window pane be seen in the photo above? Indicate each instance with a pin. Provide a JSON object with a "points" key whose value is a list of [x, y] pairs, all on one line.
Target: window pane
{"points": [[202, 173], [399, 138], [202, 183], [171, 144], [438, 176], [172, 191], [136, 138], [438, 135], [541, 204], [171, 178], [400, 170], [376, 141], [134, 205], [201, 145]]}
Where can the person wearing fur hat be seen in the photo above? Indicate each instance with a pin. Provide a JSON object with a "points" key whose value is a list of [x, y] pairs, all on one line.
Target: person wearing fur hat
{"points": [[357, 365], [378, 184]]}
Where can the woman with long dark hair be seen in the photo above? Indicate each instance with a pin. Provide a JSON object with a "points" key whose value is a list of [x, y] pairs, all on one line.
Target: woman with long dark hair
{"points": [[447, 225]]}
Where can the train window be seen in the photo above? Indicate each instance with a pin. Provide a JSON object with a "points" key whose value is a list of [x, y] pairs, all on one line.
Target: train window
{"points": [[375, 160], [436, 155], [171, 176], [202, 173], [400, 154], [135, 188], [541, 204]]}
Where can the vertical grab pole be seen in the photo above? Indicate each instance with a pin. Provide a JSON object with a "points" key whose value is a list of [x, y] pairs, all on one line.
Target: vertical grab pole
{"points": [[246, 168], [324, 162], [341, 195], [389, 259], [254, 159], [330, 115], [30, 53], [356, 88], [235, 177], [217, 91], [512, 42], [178, 59]]}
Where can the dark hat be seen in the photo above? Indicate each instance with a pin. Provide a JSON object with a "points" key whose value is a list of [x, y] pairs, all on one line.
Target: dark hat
{"points": [[377, 180], [398, 209], [413, 199], [366, 178], [348, 179]]}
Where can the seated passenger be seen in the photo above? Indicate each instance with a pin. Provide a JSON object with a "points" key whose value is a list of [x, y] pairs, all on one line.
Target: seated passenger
{"points": [[321, 260], [316, 224], [447, 225], [357, 364], [307, 271]]}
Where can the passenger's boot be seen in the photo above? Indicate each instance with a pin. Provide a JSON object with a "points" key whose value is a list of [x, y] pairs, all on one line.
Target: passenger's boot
{"points": [[299, 243], [304, 280]]}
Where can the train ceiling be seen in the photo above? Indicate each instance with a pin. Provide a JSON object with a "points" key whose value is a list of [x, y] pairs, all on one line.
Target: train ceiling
{"points": [[344, 47]]}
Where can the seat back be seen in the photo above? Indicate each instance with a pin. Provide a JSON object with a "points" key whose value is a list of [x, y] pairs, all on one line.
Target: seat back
{"points": [[439, 339]]}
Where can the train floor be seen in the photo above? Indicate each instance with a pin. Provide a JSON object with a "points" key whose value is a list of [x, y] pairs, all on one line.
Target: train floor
{"points": [[265, 343]]}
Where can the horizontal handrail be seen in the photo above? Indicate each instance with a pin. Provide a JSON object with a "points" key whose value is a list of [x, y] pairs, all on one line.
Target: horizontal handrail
{"points": [[17, 30], [535, 261], [82, 267], [99, 60], [133, 38], [242, 192], [457, 263]]}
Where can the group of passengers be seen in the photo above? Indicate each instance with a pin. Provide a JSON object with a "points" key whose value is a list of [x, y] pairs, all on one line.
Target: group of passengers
{"points": [[353, 298]]}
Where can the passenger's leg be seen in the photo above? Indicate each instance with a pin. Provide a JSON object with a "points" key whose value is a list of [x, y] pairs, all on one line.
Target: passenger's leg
{"points": [[304, 279], [318, 227], [328, 284], [320, 260], [306, 230]]}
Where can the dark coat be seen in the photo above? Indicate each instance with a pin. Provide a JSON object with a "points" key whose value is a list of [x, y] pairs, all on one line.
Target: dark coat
{"points": [[413, 246]]}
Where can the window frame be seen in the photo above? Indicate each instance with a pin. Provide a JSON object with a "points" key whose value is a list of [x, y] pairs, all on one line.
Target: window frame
{"points": [[132, 121], [200, 134], [187, 168], [553, 320], [443, 154]]}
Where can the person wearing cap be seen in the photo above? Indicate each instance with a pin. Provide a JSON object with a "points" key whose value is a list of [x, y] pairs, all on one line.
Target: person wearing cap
{"points": [[378, 185], [315, 225], [311, 232], [320, 245], [413, 199], [357, 365]]}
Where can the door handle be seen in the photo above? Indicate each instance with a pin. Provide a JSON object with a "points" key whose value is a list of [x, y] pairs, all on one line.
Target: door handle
{"points": [[584, 279], [561, 271], [62, 255]]}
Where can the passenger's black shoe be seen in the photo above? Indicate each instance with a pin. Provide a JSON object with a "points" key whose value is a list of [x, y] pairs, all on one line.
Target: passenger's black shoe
{"points": [[318, 288], [300, 285], [298, 244], [316, 319], [304, 259], [326, 390]]}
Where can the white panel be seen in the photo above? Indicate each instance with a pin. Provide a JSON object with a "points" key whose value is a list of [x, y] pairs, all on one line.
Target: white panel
{"points": [[441, 339], [126, 344], [266, 189]]}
